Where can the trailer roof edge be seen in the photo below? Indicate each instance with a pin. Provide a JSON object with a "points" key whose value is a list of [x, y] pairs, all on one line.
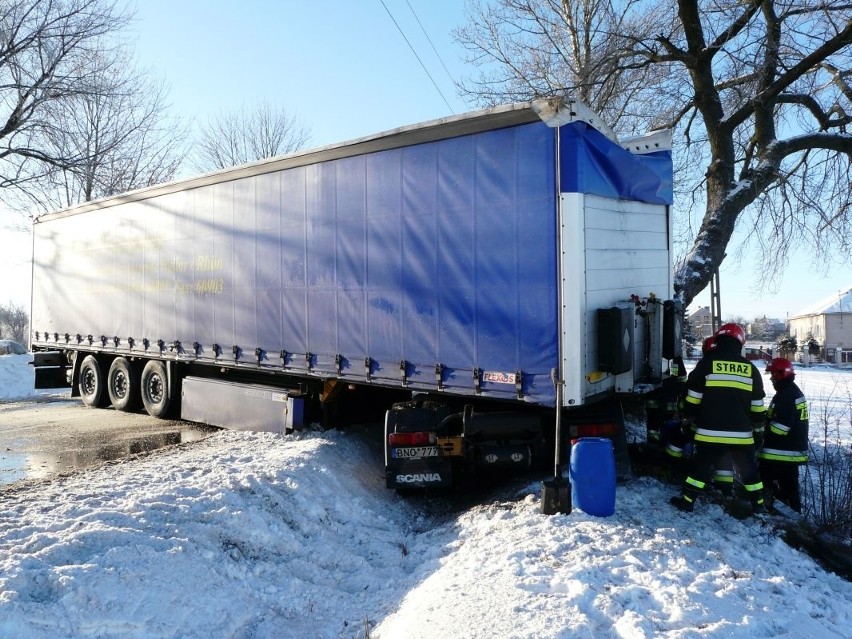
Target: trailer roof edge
{"points": [[554, 111]]}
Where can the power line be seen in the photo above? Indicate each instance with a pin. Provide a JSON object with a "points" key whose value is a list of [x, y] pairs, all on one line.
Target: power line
{"points": [[438, 55], [437, 88]]}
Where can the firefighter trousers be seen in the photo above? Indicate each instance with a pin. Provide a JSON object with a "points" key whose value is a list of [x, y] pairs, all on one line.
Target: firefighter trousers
{"points": [[711, 457], [782, 482]]}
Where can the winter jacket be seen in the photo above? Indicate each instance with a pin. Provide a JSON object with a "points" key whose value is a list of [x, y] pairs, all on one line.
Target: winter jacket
{"points": [[724, 396], [786, 433]]}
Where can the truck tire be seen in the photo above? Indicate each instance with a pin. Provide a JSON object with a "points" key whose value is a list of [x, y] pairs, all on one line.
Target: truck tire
{"points": [[123, 385], [92, 383], [154, 384]]}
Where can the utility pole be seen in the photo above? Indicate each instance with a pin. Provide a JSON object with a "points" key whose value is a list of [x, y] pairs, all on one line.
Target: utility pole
{"points": [[715, 302]]}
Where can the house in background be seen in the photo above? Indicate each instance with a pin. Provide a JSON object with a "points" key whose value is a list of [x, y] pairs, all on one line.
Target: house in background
{"points": [[701, 322], [829, 322], [765, 329]]}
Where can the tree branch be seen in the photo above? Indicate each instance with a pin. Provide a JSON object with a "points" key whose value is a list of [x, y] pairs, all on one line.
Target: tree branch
{"points": [[841, 40]]}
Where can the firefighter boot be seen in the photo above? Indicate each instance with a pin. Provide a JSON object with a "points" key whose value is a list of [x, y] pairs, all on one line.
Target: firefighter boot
{"points": [[682, 503], [758, 505]]}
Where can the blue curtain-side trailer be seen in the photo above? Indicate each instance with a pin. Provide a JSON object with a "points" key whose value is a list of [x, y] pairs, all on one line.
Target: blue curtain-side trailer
{"points": [[478, 279]]}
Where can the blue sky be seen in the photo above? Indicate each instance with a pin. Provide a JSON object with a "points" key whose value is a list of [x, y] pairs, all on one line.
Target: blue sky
{"points": [[743, 291], [343, 68]]}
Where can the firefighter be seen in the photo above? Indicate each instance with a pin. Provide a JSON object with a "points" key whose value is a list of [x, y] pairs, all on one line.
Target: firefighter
{"points": [[723, 478], [708, 345], [724, 399], [678, 435], [661, 406], [785, 443]]}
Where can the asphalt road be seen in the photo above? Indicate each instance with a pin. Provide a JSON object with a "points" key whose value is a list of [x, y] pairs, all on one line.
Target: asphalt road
{"points": [[39, 440]]}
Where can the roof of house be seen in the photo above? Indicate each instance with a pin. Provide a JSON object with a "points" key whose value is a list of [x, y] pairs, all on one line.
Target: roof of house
{"points": [[840, 302], [702, 310]]}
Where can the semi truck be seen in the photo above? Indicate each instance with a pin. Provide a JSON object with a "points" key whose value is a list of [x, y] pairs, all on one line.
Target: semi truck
{"points": [[481, 282]]}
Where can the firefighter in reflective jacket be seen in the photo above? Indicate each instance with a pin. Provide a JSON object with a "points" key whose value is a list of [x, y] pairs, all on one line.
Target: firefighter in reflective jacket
{"points": [[785, 443], [661, 406], [725, 400], [678, 436]]}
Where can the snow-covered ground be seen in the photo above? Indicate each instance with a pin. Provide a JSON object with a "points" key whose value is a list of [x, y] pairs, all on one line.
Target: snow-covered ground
{"points": [[267, 536]]}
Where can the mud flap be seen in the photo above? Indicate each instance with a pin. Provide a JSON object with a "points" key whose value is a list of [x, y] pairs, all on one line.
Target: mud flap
{"points": [[51, 370], [419, 474]]}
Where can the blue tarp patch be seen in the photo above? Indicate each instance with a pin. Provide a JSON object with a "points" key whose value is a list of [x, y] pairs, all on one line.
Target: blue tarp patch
{"points": [[592, 164]]}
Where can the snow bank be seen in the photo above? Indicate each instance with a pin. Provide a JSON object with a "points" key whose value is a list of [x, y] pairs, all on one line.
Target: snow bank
{"points": [[17, 378], [267, 536]]}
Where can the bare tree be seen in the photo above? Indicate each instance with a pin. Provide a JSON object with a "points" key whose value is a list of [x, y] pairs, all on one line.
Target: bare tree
{"points": [[229, 139], [771, 103], [531, 48], [82, 121], [14, 322], [46, 47], [121, 133], [758, 92]]}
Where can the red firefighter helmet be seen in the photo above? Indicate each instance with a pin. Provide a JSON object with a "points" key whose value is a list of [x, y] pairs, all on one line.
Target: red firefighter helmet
{"points": [[732, 330], [780, 368], [708, 344]]}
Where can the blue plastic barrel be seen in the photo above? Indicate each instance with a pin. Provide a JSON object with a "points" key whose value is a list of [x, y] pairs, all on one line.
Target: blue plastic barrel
{"points": [[592, 472]]}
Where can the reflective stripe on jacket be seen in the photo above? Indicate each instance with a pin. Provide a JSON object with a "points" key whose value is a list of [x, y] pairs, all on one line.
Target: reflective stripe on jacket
{"points": [[724, 397], [786, 438]]}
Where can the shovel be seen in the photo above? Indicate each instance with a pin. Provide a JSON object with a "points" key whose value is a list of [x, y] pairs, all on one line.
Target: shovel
{"points": [[556, 492]]}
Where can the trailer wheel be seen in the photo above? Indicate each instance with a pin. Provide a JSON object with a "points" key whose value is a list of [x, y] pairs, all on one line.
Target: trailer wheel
{"points": [[123, 385], [91, 383], [155, 389]]}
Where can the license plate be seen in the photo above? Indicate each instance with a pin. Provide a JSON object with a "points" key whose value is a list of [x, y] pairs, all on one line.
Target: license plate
{"points": [[414, 452]]}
